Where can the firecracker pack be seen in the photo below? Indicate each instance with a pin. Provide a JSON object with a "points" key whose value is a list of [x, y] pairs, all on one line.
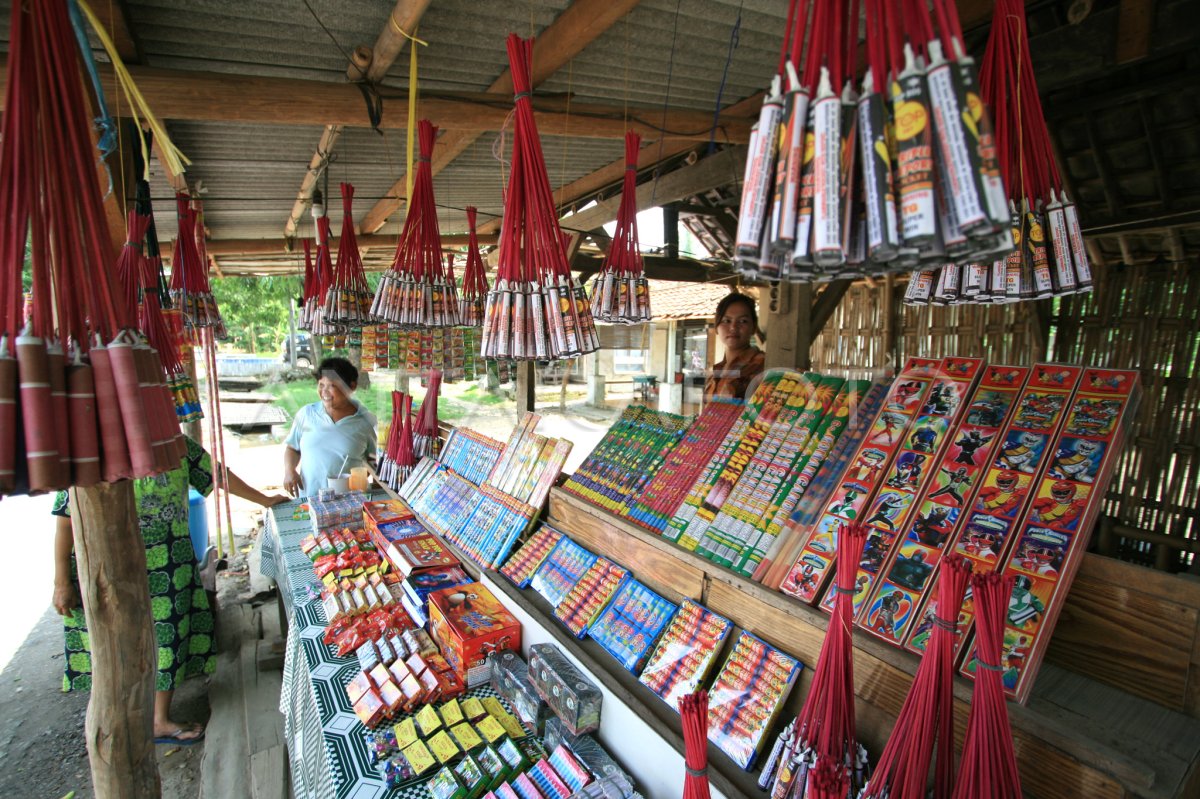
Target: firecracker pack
{"points": [[912, 473], [863, 497], [418, 552], [746, 697], [586, 750], [590, 594], [949, 491], [1047, 548], [686, 653], [561, 569], [523, 564], [631, 623], [1018, 455], [510, 678], [468, 622], [689, 510], [342, 511], [654, 507], [573, 697], [470, 454], [491, 526]]}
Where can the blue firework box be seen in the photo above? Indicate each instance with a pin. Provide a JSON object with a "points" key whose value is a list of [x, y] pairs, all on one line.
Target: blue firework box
{"points": [[629, 627]]}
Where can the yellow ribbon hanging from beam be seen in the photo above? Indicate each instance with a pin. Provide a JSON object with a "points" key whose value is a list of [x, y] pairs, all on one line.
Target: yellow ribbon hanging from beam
{"points": [[174, 159], [412, 111]]}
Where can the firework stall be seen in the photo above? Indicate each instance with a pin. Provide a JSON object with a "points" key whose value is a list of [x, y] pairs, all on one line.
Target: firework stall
{"points": [[911, 513]]}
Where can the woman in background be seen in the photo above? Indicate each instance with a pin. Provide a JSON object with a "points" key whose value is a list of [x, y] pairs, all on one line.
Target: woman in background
{"points": [[329, 437], [737, 324]]}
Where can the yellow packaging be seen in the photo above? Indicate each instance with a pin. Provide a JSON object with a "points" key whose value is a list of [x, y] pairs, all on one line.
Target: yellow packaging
{"points": [[490, 729], [420, 758], [406, 733], [429, 720], [466, 736], [443, 747], [451, 713]]}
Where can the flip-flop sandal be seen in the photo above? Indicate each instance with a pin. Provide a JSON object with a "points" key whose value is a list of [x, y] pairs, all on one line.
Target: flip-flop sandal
{"points": [[175, 740]]}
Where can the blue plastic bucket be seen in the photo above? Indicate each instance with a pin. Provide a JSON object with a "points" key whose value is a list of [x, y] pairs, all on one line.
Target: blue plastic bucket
{"points": [[198, 523]]}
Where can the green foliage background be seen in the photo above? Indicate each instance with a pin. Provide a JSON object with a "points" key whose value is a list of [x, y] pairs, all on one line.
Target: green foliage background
{"points": [[255, 310]]}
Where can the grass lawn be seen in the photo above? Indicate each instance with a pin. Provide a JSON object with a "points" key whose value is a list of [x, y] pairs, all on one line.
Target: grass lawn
{"points": [[457, 401]]}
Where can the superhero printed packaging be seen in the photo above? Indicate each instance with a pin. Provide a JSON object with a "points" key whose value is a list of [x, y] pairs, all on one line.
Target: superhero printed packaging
{"points": [[468, 623], [861, 496], [910, 476], [1049, 545], [1018, 456], [949, 486]]}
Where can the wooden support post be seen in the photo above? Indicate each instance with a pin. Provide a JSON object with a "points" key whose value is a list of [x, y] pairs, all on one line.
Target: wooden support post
{"points": [[116, 602], [526, 383], [788, 309]]}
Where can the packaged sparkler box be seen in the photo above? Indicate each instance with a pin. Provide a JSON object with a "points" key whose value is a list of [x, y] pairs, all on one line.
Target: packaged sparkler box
{"points": [[343, 511], [523, 563], [468, 622], [561, 570], [510, 678], [573, 697], [590, 595], [686, 652], [631, 623], [585, 749], [746, 697]]}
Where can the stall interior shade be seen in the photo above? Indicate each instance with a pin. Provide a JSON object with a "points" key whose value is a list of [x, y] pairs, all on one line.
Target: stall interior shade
{"points": [[1145, 317]]}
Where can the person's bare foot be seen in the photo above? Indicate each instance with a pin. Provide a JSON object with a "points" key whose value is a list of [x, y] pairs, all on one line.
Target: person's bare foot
{"points": [[179, 734]]}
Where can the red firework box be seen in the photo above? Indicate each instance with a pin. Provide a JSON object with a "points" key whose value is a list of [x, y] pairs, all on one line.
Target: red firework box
{"points": [[1053, 538], [424, 551], [1017, 458], [950, 485], [910, 475], [380, 512], [813, 567], [469, 623]]}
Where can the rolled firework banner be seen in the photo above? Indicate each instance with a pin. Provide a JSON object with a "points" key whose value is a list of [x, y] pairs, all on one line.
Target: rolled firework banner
{"points": [[58, 398], [37, 410], [114, 464], [82, 419], [153, 419], [133, 409], [8, 419]]}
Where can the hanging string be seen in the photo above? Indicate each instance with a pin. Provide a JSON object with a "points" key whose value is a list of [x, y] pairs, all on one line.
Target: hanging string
{"points": [[412, 112], [666, 101], [734, 34]]}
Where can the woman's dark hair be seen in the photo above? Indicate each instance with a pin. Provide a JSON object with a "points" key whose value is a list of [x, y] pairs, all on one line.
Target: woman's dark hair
{"points": [[733, 298], [341, 367]]}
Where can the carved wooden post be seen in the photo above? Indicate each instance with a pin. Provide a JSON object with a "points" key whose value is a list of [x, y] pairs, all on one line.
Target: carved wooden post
{"points": [[116, 602]]}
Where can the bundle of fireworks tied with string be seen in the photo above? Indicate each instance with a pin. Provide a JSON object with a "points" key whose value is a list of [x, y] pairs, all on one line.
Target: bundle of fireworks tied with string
{"points": [[535, 310], [473, 299], [347, 300], [1037, 204], [82, 394], [190, 291], [318, 281], [398, 458], [417, 292], [425, 428], [620, 294], [827, 193]]}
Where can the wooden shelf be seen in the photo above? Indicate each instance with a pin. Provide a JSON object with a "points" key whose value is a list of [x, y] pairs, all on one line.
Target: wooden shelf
{"points": [[1077, 737]]}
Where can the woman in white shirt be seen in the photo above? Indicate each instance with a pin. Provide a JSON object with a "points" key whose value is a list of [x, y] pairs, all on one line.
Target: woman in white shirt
{"points": [[329, 437]]}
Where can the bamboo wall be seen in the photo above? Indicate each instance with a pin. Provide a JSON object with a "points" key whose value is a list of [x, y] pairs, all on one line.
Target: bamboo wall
{"points": [[1145, 317]]}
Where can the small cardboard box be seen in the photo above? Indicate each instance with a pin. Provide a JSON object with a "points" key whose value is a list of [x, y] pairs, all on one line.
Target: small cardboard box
{"points": [[468, 622], [423, 551]]}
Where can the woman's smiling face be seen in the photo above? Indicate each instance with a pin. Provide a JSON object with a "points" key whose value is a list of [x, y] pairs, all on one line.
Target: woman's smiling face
{"points": [[736, 327], [332, 391]]}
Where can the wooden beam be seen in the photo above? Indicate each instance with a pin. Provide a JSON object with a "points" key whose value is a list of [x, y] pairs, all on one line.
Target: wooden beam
{"points": [[113, 17], [717, 170], [826, 304], [402, 23], [235, 247], [1135, 26], [657, 267], [573, 30]]}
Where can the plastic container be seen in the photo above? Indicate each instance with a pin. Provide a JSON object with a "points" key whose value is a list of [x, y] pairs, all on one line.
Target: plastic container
{"points": [[198, 524]]}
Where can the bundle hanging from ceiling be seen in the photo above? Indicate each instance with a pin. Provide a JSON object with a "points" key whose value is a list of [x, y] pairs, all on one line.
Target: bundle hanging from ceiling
{"points": [[620, 294], [347, 301], [416, 292], [190, 289], [475, 283], [398, 456], [535, 310], [313, 315]]}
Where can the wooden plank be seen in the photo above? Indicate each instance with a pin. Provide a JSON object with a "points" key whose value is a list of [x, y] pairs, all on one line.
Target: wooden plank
{"points": [[269, 774], [1135, 26], [260, 698]]}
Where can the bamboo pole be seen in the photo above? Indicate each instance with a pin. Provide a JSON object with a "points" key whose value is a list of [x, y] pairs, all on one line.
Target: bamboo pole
{"points": [[116, 603]]}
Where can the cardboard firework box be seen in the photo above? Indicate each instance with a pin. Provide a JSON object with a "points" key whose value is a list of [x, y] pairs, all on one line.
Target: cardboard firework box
{"points": [[910, 475], [949, 493], [1017, 458], [677, 529], [419, 552], [469, 623], [855, 501], [1047, 552], [740, 498]]}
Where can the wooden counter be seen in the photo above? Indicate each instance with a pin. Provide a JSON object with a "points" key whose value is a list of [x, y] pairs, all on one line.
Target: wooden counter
{"points": [[1113, 713]]}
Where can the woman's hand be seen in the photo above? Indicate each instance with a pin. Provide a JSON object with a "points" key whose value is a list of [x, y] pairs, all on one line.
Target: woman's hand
{"points": [[271, 500], [293, 484], [66, 598]]}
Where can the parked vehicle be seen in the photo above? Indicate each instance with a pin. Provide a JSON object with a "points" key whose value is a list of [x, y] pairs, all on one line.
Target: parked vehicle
{"points": [[304, 350]]}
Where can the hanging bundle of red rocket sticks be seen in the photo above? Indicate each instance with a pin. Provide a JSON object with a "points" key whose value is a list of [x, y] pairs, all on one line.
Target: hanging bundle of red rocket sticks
{"points": [[928, 713], [190, 291], [398, 456], [536, 310], [425, 429], [81, 395], [818, 756], [313, 316], [347, 301], [311, 282], [1038, 268], [621, 294], [827, 193], [416, 292], [693, 713], [989, 765], [475, 283]]}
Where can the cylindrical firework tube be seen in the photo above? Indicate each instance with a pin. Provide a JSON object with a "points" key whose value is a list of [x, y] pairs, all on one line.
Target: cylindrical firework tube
{"points": [[883, 240], [1064, 270], [953, 242], [760, 163], [914, 155], [1035, 248], [37, 411], [958, 145], [8, 418], [802, 251], [57, 370], [1083, 269], [920, 288], [996, 200], [133, 409], [81, 417], [797, 108], [152, 419], [827, 166], [115, 464]]}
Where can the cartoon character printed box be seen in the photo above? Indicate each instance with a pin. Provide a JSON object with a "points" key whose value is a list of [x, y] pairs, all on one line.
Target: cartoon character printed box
{"points": [[469, 623]]}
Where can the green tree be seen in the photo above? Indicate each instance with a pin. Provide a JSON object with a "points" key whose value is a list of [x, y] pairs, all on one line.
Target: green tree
{"points": [[255, 309]]}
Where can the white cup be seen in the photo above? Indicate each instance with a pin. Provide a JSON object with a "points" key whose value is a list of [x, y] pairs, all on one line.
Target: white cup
{"points": [[340, 484]]}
